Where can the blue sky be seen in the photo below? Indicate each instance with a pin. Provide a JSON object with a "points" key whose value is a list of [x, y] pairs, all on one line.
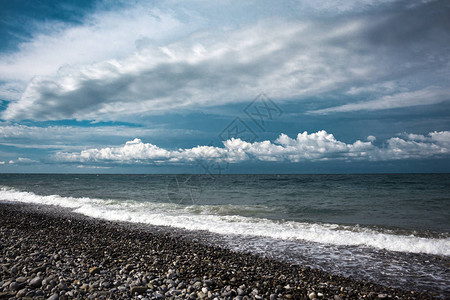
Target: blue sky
{"points": [[225, 87]]}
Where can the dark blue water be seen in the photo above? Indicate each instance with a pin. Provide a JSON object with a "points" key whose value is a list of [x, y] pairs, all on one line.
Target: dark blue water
{"points": [[419, 202]]}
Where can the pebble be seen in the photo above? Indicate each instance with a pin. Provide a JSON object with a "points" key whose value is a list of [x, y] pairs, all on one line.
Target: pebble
{"points": [[35, 282], [14, 286], [138, 290], [62, 286], [21, 293], [53, 297], [158, 295], [14, 270], [21, 279], [94, 270], [208, 282]]}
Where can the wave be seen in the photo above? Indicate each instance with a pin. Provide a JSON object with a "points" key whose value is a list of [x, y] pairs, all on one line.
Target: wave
{"points": [[213, 219]]}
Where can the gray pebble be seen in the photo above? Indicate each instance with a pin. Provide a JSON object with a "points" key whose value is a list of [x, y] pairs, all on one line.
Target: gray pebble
{"points": [[14, 270], [14, 286], [53, 297], [35, 282], [170, 282], [21, 279], [240, 292], [21, 293], [62, 286], [208, 282]]}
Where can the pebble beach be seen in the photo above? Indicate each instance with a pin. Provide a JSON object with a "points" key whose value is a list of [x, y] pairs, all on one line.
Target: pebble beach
{"points": [[48, 253]]}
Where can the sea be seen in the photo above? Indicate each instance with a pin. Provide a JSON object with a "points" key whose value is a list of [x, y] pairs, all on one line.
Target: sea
{"points": [[392, 229]]}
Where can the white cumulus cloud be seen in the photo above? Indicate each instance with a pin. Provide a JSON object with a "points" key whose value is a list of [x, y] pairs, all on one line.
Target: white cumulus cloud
{"points": [[305, 147], [23, 161]]}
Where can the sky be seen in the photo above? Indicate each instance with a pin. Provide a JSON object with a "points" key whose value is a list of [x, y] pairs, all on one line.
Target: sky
{"points": [[296, 86]]}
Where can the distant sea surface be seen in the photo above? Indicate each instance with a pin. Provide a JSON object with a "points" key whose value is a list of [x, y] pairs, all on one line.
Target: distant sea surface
{"points": [[392, 229]]}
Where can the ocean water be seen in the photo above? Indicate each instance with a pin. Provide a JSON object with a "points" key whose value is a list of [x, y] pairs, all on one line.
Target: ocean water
{"points": [[392, 229]]}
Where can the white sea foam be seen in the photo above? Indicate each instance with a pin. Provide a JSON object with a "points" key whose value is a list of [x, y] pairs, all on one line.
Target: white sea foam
{"points": [[204, 218]]}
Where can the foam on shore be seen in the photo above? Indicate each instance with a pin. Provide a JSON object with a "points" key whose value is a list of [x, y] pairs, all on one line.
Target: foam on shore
{"points": [[203, 218]]}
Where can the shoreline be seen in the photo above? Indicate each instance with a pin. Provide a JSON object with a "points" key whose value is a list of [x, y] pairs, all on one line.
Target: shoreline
{"points": [[50, 253]]}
